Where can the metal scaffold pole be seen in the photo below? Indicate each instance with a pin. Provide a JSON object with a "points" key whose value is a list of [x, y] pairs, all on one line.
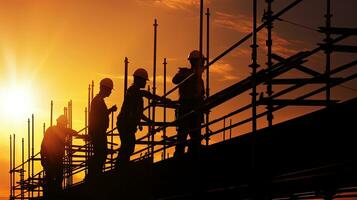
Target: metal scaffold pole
{"points": [[164, 131], [269, 43], [51, 115], [126, 66], [254, 67], [207, 72], [11, 191], [154, 87], [13, 165], [201, 27], [22, 168], [28, 156], [92, 93], [86, 137], [328, 50], [149, 127], [32, 153]]}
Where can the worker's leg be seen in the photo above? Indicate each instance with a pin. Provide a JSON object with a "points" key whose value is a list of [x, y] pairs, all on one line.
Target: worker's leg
{"points": [[182, 133], [98, 158], [195, 134], [127, 147], [58, 177]]}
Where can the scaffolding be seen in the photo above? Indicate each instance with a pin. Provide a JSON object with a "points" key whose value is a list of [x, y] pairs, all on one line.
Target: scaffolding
{"points": [[153, 148]]}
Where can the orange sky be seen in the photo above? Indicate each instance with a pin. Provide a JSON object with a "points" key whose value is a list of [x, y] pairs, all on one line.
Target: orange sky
{"points": [[52, 49]]}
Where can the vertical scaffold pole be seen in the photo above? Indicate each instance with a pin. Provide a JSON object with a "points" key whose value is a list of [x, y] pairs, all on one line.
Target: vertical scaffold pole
{"points": [[207, 72], [328, 51], [164, 131], [269, 43], [111, 141], [126, 66], [33, 153], [254, 67], [22, 168], [14, 165], [154, 88], [201, 27], [28, 156], [51, 115], [149, 127], [92, 93], [11, 194], [86, 135]]}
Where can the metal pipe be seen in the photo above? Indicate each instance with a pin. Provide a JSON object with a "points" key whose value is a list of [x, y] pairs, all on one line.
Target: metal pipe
{"points": [[149, 127], [201, 27], [86, 134], [254, 67], [89, 89], [22, 168], [11, 167], [269, 43], [164, 131], [126, 66], [14, 164], [33, 152], [111, 142], [28, 155], [51, 115], [154, 85], [328, 51], [207, 71], [92, 91]]}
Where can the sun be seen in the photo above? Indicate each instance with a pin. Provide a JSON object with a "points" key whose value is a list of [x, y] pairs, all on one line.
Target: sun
{"points": [[16, 101]]}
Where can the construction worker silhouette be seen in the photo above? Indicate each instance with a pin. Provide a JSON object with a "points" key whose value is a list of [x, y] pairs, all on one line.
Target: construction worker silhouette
{"points": [[98, 124], [52, 152], [131, 113], [191, 95]]}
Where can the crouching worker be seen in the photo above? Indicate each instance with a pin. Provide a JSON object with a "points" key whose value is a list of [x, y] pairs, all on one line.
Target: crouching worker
{"points": [[131, 114], [52, 152]]}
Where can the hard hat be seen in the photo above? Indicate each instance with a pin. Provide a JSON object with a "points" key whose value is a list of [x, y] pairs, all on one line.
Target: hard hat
{"points": [[142, 73], [62, 119], [107, 82], [195, 54]]}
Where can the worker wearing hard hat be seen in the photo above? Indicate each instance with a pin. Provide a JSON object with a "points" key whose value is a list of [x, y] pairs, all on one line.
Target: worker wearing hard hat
{"points": [[52, 152], [191, 96], [98, 124], [131, 114]]}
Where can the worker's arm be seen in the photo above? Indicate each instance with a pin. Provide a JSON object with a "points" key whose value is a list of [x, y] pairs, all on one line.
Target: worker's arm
{"points": [[112, 109], [180, 75], [149, 95]]}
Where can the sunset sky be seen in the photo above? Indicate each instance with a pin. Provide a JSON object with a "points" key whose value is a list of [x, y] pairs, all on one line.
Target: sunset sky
{"points": [[52, 50]]}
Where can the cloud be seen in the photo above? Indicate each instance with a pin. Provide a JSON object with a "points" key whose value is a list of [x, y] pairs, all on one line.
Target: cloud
{"points": [[243, 24], [224, 70], [173, 4]]}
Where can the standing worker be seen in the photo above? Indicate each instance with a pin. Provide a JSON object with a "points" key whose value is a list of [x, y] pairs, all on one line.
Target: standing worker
{"points": [[98, 125], [131, 113], [191, 96], [52, 152]]}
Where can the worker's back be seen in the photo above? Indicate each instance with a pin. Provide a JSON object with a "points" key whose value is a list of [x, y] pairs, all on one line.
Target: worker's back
{"points": [[191, 89], [53, 143], [98, 117], [132, 109]]}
